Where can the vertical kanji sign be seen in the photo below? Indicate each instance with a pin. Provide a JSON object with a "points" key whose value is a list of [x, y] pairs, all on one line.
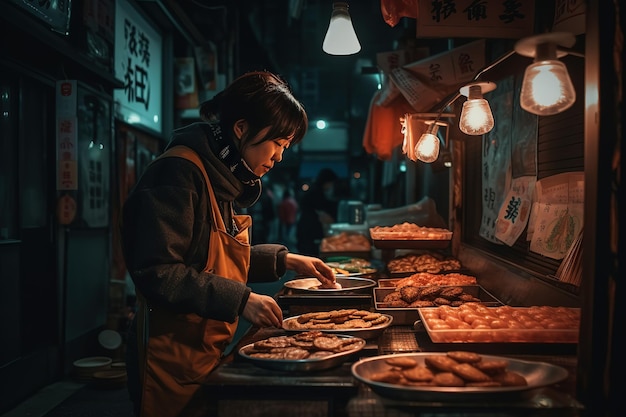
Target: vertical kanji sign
{"points": [[66, 137], [138, 65]]}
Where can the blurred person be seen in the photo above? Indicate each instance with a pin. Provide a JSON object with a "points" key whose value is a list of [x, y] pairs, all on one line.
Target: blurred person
{"points": [[318, 209], [187, 250], [287, 215]]}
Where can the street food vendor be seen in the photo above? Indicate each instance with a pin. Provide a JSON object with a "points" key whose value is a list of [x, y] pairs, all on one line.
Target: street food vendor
{"points": [[188, 252]]}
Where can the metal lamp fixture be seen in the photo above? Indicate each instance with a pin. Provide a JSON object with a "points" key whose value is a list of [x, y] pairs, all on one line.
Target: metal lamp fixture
{"points": [[476, 117], [340, 37], [547, 88]]}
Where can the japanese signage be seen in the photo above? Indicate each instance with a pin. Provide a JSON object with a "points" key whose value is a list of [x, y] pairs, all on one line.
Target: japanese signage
{"points": [[475, 18], [427, 82], [138, 63], [569, 16], [557, 214], [67, 131]]}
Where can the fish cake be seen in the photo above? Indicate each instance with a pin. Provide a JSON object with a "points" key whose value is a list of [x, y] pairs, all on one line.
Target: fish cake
{"points": [[492, 366], [440, 363], [448, 379], [510, 379], [418, 374], [463, 356], [410, 294], [470, 373], [401, 361]]}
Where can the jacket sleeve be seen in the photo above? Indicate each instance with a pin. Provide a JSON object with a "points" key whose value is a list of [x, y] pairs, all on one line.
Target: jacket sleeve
{"points": [[267, 262]]}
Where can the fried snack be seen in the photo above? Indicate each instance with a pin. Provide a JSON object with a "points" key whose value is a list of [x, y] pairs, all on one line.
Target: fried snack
{"points": [[463, 356], [444, 371], [409, 294], [448, 379], [337, 319], [401, 361], [440, 363], [493, 366], [306, 345], [418, 374], [469, 373], [510, 379]]}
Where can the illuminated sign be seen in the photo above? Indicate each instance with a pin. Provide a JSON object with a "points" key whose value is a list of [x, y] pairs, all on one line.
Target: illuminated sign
{"points": [[138, 65]]}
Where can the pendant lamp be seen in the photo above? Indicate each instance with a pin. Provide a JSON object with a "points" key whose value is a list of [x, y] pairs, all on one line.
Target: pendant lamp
{"points": [[427, 147], [476, 117], [340, 37], [547, 88]]}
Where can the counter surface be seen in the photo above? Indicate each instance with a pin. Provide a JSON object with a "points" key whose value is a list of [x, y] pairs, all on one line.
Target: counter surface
{"points": [[238, 387]]}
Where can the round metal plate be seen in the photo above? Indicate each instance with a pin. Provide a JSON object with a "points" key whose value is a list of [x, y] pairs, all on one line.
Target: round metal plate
{"points": [[537, 374]]}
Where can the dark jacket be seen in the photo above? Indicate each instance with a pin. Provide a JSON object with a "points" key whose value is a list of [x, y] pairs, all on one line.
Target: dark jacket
{"points": [[165, 232]]}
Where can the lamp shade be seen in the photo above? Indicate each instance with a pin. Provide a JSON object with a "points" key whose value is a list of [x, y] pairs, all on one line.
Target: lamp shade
{"points": [[340, 37], [547, 88], [427, 147], [476, 117]]}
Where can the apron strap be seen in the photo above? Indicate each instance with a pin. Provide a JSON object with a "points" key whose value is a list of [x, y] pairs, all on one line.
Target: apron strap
{"points": [[189, 154]]}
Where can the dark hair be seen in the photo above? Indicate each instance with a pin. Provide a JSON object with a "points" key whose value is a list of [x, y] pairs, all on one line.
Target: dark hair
{"points": [[263, 99]]}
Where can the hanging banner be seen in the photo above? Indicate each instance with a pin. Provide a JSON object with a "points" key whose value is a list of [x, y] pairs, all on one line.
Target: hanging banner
{"points": [[475, 19], [66, 135], [427, 82], [515, 211], [496, 160], [557, 214], [138, 64], [570, 16]]}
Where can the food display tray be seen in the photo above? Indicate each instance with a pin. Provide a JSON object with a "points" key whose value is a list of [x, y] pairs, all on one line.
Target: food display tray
{"points": [[408, 315], [463, 337], [348, 285], [411, 243], [362, 332], [537, 375], [391, 282], [303, 365]]}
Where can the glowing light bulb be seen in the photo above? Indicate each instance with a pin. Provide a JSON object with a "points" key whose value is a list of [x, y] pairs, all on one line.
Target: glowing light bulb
{"points": [[427, 147], [547, 88]]}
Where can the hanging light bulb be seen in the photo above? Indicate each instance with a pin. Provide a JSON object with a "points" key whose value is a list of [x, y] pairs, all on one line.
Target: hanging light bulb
{"points": [[427, 147], [547, 88], [340, 37], [476, 117]]}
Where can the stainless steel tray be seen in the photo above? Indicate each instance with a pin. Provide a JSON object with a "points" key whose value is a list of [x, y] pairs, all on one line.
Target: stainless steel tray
{"points": [[317, 364], [348, 284], [537, 374], [363, 332]]}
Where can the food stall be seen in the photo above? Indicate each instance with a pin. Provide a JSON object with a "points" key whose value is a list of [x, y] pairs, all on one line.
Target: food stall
{"points": [[416, 334]]}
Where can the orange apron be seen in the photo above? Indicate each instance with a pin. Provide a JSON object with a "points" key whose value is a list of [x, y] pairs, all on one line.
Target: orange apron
{"points": [[181, 349]]}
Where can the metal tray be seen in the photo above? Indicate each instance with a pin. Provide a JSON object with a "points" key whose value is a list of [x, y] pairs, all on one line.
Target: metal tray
{"points": [[537, 374], [362, 332], [466, 337], [409, 315], [411, 244], [317, 364], [348, 284]]}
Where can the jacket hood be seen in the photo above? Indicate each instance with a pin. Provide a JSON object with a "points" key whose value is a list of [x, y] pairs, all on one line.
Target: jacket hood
{"points": [[201, 138]]}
